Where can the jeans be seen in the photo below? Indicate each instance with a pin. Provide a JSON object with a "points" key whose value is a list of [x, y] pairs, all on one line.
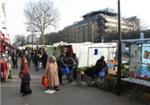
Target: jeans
{"points": [[37, 66], [70, 75]]}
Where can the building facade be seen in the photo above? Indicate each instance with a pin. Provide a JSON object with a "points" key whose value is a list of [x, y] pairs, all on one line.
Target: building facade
{"points": [[3, 25], [96, 25]]}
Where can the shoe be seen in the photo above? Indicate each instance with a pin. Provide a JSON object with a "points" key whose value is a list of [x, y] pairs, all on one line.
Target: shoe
{"points": [[56, 88], [24, 94], [48, 87], [70, 81], [61, 83], [29, 92]]}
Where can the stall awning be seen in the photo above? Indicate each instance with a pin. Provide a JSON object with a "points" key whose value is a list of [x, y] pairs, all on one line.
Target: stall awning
{"points": [[1, 36], [4, 41], [137, 41]]}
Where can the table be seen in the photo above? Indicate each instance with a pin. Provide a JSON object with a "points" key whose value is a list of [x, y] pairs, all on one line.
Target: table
{"points": [[140, 87], [137, 81]]}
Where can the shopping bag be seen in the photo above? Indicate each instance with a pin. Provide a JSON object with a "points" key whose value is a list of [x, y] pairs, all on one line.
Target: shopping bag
{"points": [[66, 70], [45, 82], [102, 74]]}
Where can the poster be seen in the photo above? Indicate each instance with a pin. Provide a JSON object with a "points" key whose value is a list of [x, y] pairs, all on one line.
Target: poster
{"points": [[135, 57], [146, 53]]}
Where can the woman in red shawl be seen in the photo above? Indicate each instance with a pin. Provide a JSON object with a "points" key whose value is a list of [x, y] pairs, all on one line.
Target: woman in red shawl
{"points": [[4, 69], [25, 77]]}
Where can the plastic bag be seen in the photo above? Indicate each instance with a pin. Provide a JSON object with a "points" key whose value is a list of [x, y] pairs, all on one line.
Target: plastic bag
{"points": [[102, 74], [66, 70], [45, 82]]}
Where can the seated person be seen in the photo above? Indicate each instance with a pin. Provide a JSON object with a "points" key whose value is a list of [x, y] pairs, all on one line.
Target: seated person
{"points": [[101, 65]]}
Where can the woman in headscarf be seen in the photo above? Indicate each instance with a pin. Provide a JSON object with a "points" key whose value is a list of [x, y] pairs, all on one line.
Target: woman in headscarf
{"points": [[52, 73], [25, 77]]}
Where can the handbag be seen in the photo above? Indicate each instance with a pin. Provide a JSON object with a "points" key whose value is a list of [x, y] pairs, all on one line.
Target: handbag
{"points": [[45, 81]]}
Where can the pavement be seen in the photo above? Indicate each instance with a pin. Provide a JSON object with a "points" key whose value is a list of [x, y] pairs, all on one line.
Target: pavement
{"points": [[69, 93]]}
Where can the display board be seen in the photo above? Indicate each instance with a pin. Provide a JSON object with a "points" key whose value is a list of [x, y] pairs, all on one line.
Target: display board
{"points": [[135, 57], [146, 53], [140, 59], [145, 70]]}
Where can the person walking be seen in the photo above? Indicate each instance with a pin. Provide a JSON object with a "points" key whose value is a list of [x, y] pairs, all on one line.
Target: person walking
{"points": [[25, 77], [36, 60], [76, 65], [44, 59], [69, 61], [14, 60], [51, 72], [60, 67], [4, 69]]}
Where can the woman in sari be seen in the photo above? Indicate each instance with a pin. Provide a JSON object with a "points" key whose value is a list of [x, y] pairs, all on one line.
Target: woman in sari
{"points": [[52, 73], [25, 77]]}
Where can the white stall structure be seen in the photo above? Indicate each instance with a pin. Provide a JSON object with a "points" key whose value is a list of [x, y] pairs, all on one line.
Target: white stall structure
{"points": [[88, 53]]}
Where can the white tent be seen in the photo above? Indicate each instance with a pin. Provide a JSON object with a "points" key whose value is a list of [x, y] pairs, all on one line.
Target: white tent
{"points": [[89, 53]]}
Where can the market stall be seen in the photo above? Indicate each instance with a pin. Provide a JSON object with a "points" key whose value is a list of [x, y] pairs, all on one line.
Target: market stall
{"points": [[139, 66], [88, 53], [5, 66], [139, 58]]}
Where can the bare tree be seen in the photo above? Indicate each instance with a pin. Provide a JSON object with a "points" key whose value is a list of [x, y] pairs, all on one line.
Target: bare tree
{"points": [[41, 15], [133, 24], [20, 40], [143, 26]]}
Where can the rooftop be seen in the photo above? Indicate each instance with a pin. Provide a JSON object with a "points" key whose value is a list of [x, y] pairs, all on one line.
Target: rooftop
{"points": [[107, 11]]}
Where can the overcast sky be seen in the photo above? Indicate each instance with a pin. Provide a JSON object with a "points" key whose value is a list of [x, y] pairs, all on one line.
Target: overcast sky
{"points": [[71, 11]]}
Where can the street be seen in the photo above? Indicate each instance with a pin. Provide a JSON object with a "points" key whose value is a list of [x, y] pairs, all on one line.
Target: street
{"points": [[69, 94]]}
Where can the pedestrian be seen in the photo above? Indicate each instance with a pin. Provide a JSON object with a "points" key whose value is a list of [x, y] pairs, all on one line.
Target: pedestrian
{"points": [[76, 65], [15, 60], [61, 65], [28, 57], [51, 72], [4, 69], [25, 77], [36, 60], [69, 61], [44, 59]]}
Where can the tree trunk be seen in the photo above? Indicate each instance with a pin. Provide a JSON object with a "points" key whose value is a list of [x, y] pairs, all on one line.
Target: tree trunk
{"points": [[42, 37]]}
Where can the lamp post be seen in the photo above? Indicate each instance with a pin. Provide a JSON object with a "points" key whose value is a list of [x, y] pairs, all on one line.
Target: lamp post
{"points": [[32, 33], [32, 39], [119, 52]]}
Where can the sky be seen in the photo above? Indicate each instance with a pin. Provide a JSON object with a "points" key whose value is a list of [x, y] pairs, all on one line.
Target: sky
{"points": [[71, 11]]}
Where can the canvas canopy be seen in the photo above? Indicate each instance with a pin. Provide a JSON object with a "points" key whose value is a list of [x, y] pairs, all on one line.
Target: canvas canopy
{"points": [[88, 53]]}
